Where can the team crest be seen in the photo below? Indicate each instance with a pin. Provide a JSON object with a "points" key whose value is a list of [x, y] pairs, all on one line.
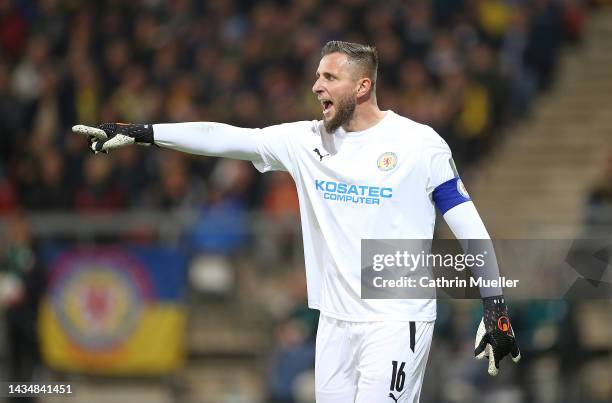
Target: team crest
{"points": [[461, 189], [99, 299], [387, 161]]}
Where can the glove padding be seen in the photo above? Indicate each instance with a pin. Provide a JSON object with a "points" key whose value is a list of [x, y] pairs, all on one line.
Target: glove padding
{"points": [[495, 337], [109, 136]]}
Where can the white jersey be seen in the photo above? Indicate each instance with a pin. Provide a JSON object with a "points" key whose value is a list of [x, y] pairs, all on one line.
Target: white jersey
{"points": [[373, 184]]}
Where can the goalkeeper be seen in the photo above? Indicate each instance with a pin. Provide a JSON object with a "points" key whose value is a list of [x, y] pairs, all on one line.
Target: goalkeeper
{"points": [[360, 173]]}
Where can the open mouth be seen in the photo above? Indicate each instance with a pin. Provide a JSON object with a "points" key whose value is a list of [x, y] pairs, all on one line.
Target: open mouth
{"points": [[327, 105]]}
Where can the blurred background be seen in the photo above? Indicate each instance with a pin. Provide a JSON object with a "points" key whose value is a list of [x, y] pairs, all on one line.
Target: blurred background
{"points": [[150, 275]]}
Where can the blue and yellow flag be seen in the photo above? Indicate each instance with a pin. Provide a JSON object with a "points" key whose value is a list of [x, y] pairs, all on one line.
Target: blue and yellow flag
{"points": [[111, 310]]}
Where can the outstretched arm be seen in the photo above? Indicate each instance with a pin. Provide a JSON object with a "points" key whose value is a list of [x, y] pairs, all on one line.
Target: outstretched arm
{"points": [[205, 138], [208, 138]]}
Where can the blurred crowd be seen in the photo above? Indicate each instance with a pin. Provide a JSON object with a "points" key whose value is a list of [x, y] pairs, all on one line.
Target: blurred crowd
{"points": [[468, 68]]}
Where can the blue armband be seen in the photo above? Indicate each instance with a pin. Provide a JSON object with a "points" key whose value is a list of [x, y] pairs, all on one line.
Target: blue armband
{"points": [[450, 194]]}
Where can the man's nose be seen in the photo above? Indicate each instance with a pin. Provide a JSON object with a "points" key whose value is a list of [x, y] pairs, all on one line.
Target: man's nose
{"points": [[316, 88]]}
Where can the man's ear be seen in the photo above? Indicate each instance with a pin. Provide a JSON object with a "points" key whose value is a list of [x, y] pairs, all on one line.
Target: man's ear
{"points": [[364, 87]]}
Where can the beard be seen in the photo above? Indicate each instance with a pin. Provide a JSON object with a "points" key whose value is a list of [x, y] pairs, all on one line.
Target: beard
{"points": [[345, 107]]}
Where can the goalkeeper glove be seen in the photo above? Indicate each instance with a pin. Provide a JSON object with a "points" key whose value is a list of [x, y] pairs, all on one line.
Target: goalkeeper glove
{"points": [[109, 136], [495, 337]]}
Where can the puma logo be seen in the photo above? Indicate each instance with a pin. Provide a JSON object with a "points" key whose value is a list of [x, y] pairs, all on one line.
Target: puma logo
{"points": [[396, 399], [316, 150]]}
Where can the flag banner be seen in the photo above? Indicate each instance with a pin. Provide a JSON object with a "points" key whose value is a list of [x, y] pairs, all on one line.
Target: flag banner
{"points": [[114, 310]]}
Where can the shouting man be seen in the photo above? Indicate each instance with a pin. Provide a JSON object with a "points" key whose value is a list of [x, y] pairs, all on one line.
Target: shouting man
{"points": [[360, 173]]}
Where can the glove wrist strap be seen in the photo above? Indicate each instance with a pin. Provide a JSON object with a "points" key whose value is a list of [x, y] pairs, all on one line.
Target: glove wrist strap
{"points": [[494, 311], [142, 134], [494, 301]]}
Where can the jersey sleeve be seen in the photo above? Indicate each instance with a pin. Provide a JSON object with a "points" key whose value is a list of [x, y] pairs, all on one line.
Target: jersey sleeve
{"points": [[276, 146], [208, 138], [443, 182], [270, 148]]}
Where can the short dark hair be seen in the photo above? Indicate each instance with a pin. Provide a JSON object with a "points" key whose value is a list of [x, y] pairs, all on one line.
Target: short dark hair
{"points": [[366, 56]]}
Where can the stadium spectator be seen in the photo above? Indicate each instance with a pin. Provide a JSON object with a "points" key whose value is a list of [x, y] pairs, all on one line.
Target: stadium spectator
{"points": [[49, 191], [22, 282], [99, 193], [13, 29], [294, 340], [598, 217]]}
